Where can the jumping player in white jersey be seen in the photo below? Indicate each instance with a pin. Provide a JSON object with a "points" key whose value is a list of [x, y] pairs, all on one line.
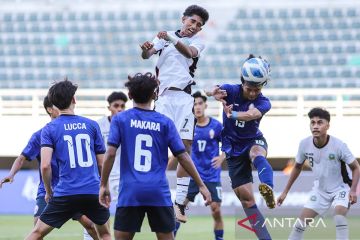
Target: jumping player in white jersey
{"points": [[329, 157], [179, 52]]}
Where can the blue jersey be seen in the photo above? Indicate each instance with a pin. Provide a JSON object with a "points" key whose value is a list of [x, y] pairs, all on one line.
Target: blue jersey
{"points": [[204, 148], [144, 136], [76, 142], [31, 152], [236, 133]]}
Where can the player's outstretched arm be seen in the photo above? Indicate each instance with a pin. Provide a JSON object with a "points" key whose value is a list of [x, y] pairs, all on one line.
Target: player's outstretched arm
{"points": [[218, 93], [186, 162], [186, 51], [19, 161], [293, 176], [251, 114], [46, 172], [104, 193], [354, 166], [147, 50]]}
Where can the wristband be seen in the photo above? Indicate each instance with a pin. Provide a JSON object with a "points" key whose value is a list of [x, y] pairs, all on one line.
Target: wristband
{"points": [[234, 115], [172, 39]]}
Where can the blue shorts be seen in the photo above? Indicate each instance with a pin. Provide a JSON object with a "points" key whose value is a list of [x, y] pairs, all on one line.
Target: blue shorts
{"points": [[129, 219], [240, 169], [60, 209], [214, 188]]}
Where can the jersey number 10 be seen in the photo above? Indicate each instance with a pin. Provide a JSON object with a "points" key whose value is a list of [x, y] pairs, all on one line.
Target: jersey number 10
{"points": [[80, 139]]}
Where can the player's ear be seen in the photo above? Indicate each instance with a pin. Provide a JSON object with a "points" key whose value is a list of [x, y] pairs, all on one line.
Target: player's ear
{"points": [[206, 105], [73, 100], [130, 97], [183, 19]]}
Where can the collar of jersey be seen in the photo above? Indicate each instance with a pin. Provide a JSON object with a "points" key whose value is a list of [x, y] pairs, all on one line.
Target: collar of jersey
{"points": [[177, 33], [327, 141]]}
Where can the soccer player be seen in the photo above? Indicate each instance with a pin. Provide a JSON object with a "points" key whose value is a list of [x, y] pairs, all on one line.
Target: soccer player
{"points": [[205, 154], [77, 145], [242, 140], [328, 157], [179, 52], [31, 152], [144, 136]]}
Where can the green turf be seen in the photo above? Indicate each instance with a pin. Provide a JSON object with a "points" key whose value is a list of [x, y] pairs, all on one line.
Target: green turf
{"points": [[197, 228]]}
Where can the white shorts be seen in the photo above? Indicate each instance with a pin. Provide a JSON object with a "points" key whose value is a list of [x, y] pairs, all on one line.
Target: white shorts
{"points": [[178, 106], [321, 201], [114, 188]]}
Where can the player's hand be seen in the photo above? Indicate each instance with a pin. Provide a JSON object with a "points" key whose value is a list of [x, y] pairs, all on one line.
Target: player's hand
{"points": [[206, 195], [163, 35], [104, 197], [219, 94], [228, 109], [48, 195], [217, 161], [352, 197], [147, 46], [8, 179], [281, 198]]}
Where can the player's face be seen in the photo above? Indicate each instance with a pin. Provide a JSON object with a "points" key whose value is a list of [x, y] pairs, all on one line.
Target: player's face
{"points": [[116, 106], [199, 107], [191, 25], [319, 126], [251, 92]]}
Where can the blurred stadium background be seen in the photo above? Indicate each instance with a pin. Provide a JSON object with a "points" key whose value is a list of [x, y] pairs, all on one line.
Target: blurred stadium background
{"points": [[312, 46]]}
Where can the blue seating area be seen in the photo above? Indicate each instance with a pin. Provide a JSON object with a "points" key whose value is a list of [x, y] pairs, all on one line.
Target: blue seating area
{"points": [[306, 47]]}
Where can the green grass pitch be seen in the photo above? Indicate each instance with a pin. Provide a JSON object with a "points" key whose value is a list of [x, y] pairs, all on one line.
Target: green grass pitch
{"points": [[16, 227]]}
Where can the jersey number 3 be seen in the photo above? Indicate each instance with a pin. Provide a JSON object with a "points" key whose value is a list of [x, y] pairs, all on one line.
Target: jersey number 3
{"points": [[80, 139], [139, 153]]}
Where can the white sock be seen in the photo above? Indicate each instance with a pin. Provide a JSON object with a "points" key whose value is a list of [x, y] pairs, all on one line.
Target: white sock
{"points": [[342, 230], [182, 188], [87, 236], [298, 231]]}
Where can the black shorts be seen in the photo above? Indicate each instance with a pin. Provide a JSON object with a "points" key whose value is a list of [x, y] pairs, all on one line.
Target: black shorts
{"points": [[129, 219], [214, 188], [240, 168], [60, 209], [40, 207]]}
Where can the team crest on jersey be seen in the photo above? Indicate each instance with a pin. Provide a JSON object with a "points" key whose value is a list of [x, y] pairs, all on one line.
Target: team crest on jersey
{"points": [[211, 133], [331, 156]]}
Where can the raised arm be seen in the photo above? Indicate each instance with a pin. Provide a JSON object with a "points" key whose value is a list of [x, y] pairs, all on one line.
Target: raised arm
{"points": [[293, 176], [19, 161], [251, 114], [186, 51], [147, 50], [354, 166]]}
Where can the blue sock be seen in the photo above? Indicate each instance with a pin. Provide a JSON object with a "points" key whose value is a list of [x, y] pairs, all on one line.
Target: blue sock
{"points": [[177, 226], [219, 234], [264, 169], [257, 222]]}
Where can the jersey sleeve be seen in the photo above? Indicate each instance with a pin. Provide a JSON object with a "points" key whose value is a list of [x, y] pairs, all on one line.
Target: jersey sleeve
{"points": [[300, 156], [263, 105], [114, 138], [32, 149], [198, 44], [46, 138], [345, 154], [99, 146], [174, 141], [158, 43]]}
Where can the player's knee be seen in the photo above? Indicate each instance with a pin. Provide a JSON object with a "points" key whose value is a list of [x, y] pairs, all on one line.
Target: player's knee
{"points": [[247, 203], [216, 212]]}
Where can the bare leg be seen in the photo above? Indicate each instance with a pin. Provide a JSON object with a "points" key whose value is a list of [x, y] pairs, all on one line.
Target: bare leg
{"points": [[165, 236], [119, 235], [40, 230], [89, 226]]}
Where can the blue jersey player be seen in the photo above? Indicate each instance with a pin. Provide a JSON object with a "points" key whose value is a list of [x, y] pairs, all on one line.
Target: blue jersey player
{"points": [[242, 141], [205, 154], [76, 144], [144, 136], [31, 152]]}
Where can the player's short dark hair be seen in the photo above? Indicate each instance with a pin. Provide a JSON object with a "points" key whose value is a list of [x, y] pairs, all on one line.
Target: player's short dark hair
{"points": [[198, 94], [47, 104], [142, 87], [197, 10], [114, 96], [319, 112], [61, 94]]}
